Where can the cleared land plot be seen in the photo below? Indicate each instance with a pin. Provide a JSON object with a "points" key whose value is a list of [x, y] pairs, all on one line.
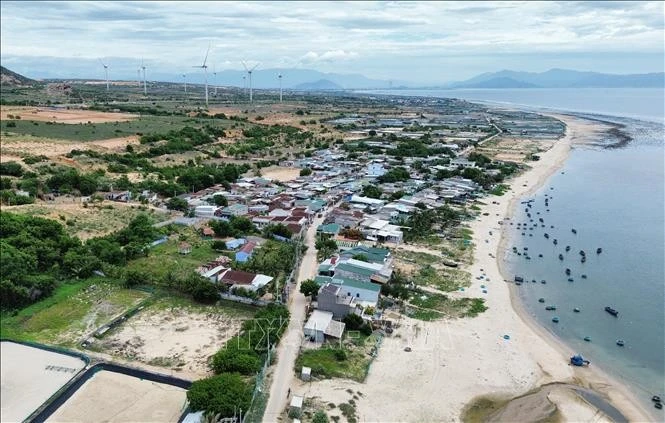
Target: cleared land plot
{"points": [[281, 174], [27, 381], [72, 116], [176, 333], [87, 222], [114, 397], [106, 130], [73, 311], [18, 145]]}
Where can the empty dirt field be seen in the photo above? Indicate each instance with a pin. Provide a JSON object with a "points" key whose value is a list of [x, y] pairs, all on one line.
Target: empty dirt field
{"points": [[180, 338], [18, 145], [281, 174], [29, 376], [72, 116], [114, 397]]}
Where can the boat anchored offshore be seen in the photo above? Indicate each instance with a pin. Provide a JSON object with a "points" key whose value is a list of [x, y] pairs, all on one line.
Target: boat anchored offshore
{"points": [[612, 311], [599, 250], [555, 319], [620, 342], [587, 338]]}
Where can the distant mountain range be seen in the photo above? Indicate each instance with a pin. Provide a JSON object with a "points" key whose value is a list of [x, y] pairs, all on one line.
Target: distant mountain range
{"points": [[561, 78], [320, 85]]}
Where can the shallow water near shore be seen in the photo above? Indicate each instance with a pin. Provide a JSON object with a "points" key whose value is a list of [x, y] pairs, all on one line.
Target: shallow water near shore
{"points": [[614, 200]]}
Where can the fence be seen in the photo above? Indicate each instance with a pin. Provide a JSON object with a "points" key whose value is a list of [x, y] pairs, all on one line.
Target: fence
{"points": [[260, 395], [243, 300]]}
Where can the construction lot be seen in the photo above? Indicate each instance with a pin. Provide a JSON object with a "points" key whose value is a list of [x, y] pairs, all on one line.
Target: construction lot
{"points": [[30, 376], [114, 397], [181, 337]]}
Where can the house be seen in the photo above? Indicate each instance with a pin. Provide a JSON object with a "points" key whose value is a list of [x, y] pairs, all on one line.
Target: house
{"points": [[374, 170], [238, 279], [329, 229], [235, 210], [245, 252], [212, 274], [366, 293], [122, 196], [330, 298], [373, 255], [321, 325], [234, 243], [208, 232], [184, 248], [205, 211], [461, 162]]}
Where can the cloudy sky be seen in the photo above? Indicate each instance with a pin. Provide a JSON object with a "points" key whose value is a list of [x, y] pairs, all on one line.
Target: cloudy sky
{"points": [[423, 42]]}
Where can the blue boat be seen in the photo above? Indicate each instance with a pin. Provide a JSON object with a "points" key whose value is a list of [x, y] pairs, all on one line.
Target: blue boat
{"points": [[578, 360]]}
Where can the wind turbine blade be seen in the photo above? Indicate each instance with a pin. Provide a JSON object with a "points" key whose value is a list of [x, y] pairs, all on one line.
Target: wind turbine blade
{"points": [[244, 65], [103, 64], [206, 58], [255, 66]]}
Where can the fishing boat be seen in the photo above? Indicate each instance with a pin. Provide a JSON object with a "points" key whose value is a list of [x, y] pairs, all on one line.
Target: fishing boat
{"points": [[550, 307], [582, 253], [599, 250], [560, 256], [587, 338], [583, 259], [543, 281], [576, 310], [612, 311], [567, 271], [556, 242], [541, 300], [656, 398], [540, 255], [578, 360], [547, 236], [567, 248], [555, 319], [570, 279], [620, 342], [574, 230], [583, 276]]}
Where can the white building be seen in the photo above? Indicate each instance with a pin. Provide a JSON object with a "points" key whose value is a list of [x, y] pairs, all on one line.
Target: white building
{"points": [[321, 324]]}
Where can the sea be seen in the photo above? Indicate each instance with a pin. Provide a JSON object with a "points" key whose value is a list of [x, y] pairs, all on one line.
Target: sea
{"points": [[614, 199]]}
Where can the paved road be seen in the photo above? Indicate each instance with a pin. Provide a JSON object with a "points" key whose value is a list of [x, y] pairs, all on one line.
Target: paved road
{"points": [[289, 346]]}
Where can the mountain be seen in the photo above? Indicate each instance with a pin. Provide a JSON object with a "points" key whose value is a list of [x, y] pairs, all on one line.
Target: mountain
{"points": [[562, 78], [500, 82], [9, 78], [320, 85]]}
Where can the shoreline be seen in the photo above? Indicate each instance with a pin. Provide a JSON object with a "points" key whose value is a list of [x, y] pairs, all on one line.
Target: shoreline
{"points": [[594, 378]]}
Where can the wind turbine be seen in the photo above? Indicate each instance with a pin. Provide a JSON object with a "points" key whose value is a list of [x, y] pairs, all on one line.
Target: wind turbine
{"points": [[249, 72], [184, 80], [138, 76], [244, 84], [205, 70], [280, 86], [145, 86], [106, 72]]}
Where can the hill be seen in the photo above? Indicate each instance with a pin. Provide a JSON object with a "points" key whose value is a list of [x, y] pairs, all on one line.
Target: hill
{"points": [[321, 84], [562, 78], [9, 78]]}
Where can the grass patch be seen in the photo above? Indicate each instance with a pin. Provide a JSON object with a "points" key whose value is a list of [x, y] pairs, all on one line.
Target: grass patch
{"points": [[499, 189], [176, 301], [428, 306], [443, 279], [73, 310], [350, 361], [417, 257]]}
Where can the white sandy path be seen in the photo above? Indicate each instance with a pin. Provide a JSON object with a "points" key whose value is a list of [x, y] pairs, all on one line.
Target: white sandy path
{"points": [[24, 381], [114, 398], [454, 361]]}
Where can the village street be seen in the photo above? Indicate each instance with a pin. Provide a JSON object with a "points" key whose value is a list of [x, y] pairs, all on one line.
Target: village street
{"points": [[289, 347]]}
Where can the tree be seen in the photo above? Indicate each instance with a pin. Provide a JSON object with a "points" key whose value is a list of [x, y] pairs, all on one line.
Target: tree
{"points": [[305, 171], [372, 191], [223, 394], [242, 225], [176, 203], [134, 277], [372, 133], [232, 359], [320, 417], [278, 229], [309, 288], [220, 200], [326, 247], [222, 228]]}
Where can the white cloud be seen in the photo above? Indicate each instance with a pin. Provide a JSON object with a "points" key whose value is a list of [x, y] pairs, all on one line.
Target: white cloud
{"points": [[328, 56]]}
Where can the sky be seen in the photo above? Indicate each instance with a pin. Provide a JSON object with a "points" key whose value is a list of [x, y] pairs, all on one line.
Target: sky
{"points": [[419, 42]]}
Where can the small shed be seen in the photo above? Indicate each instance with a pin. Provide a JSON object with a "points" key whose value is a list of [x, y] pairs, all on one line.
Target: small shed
{"points": [[295, 408], [306, 374], [184, 248]]}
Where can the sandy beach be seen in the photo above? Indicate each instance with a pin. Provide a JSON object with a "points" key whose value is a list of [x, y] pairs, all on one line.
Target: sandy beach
{"points": [[452, 362]]}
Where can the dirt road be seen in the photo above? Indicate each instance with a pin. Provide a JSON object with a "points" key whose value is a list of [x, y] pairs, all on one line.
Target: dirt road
{"points": [[288, 348]]}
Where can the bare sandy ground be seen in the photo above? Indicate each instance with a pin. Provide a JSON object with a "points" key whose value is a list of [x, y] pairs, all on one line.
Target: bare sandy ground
{"points": [[281, 174], [114, 397], [178, 339], [24, 145], [26, 380], [72, 116], [454, 361]]}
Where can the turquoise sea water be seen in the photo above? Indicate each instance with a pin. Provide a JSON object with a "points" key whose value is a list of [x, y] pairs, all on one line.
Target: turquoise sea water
{"points": [[614, 198]]}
